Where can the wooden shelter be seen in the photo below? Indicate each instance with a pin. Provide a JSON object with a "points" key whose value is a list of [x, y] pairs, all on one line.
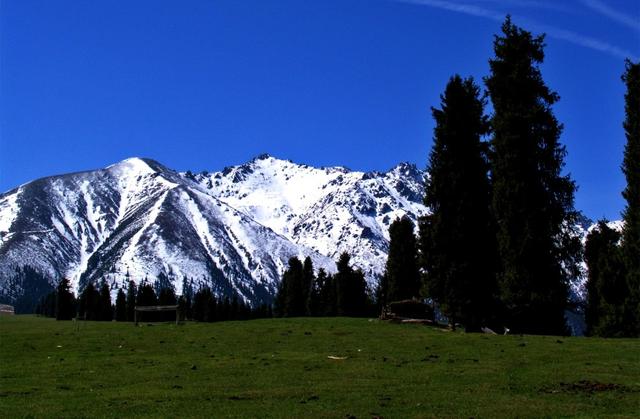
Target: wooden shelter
{"points": [[7, 310], [156, 309]]}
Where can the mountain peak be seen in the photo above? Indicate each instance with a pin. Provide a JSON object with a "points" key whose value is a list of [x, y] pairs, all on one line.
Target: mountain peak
{"points": [[141, 165], [406, 169], [131, 162], [263, 156]]}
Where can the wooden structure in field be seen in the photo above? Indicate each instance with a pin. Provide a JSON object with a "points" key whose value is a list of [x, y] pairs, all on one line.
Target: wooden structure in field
{"points": [[7, 310], [413, 310], [155, 309]]}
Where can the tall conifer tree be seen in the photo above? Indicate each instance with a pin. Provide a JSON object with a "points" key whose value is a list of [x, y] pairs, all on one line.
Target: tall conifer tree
{"points": [[131, 299], [631, 216], [65, 302], [351, 288], [121, 306], [307, 283], [401, 278], [295, 301], [532, 199], [606, 285], [89, 303], [106, 313], [328, 294], [316, 304], [290, 299], [458, 250], [146, 296]]}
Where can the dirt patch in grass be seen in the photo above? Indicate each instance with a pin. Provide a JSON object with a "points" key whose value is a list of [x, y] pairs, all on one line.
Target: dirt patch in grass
{"points": [[587, 387]]}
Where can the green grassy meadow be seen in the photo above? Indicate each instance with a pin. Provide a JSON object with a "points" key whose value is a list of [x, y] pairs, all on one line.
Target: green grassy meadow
{"points": [[280, 368]]}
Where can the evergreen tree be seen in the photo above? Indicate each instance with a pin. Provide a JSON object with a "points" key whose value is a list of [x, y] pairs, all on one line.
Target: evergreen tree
{"points": [[182, 309], [146, 296], [163, 281], [47, 305], [401, 277], [279, 301], [199, 305], [316, 305], [381, 292], [532, 201], [295, 298], [328, 294], [131, 299], [187, 295], [456, 239], [307, 284], [204, 305], [121, 306], [105, 310], [197, 310], [234, 310], [631, 215], [50, 304], [89, 306], [351, 289], [290, 299], [262, 311], [211, 310], [167, 297], [224, 309], [606, 285], [65, 301]]}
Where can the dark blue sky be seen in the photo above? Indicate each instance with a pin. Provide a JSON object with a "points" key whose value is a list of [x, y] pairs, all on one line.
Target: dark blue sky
{"points": [[202, 84]]}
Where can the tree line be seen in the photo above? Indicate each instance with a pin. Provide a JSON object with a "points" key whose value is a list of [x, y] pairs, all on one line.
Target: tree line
{"points": [[303, 293], [613, 257], [501, 241], [95, 303]]}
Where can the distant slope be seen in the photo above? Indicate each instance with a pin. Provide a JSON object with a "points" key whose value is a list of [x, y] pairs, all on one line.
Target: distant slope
{"points": [[140, 218], [330, 210], [233, 230]]}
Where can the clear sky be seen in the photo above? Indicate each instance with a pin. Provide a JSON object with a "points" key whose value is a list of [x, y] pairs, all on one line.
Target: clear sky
{"points": [[202, 84]]}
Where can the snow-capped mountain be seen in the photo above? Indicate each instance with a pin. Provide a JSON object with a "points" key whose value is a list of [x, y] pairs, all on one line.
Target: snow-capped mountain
{"points": [[233, 230], [139, 218], [330, 210]]}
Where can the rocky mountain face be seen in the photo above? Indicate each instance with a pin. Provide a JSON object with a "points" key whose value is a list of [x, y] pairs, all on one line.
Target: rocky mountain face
{"points": [[233, 230], [329, 210]]}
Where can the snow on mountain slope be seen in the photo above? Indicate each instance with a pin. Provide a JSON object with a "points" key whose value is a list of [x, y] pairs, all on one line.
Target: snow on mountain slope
{"points": [[330, 210], [139, 218], [233, 230]]}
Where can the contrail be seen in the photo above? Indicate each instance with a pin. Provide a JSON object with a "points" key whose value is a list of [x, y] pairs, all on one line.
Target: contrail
{"points": [[602, 8], [552, 31], [532, 4], [468, 9]]}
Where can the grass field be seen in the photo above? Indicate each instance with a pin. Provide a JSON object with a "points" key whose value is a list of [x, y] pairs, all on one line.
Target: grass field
{"points": [[280, 368]]}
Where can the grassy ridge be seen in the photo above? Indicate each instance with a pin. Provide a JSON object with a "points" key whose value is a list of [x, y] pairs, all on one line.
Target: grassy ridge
{"points": [[279, 368]]}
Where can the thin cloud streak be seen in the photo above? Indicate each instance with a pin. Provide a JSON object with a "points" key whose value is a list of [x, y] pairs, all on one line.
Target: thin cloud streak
{"points": [[603, 9], [468, 9], [551, 31], [584, 41], [532, 4]]}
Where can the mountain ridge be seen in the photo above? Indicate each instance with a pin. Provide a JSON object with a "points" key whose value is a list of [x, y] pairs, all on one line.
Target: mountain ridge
{"points": [[138, 218], [233, 230]]}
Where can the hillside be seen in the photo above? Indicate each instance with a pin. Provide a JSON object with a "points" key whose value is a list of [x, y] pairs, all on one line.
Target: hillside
{"points": [[232, 230]]}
